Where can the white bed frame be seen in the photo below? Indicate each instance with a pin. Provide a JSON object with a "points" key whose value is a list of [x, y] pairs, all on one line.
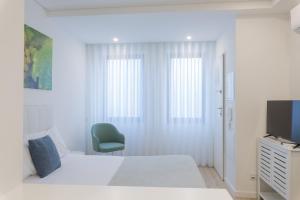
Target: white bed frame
{"points": [[37, 118]]}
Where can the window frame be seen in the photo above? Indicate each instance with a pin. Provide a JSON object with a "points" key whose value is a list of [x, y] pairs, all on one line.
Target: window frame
{"points": [[203, 80], [140, 106]]}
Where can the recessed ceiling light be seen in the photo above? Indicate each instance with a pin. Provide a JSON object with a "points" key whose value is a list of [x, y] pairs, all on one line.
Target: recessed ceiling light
{"points": [[188, 37], [115, 39]]}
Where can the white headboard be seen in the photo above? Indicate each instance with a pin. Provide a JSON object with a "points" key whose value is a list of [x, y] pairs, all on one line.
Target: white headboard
{"points": [[37, 118]]}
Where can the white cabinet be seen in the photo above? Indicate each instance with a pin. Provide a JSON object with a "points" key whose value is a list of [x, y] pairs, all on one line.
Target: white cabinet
{"points": [[278, 170]]}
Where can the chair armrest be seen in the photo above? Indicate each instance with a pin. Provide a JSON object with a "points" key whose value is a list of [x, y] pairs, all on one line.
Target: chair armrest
{"points": [[96, 143], [121, 138]]}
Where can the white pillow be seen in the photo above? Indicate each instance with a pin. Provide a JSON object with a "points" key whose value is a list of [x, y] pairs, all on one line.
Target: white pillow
{"points": [[58, 141], [28, 167]]}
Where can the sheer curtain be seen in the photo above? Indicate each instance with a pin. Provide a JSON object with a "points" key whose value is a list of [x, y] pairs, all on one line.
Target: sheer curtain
{"points": [[159, 95]]}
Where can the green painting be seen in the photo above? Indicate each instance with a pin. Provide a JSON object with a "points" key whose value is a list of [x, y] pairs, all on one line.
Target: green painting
{"points": [[38, 60]]}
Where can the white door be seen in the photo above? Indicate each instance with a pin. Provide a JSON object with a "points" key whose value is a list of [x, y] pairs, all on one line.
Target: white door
{"points": [[219, 132]]}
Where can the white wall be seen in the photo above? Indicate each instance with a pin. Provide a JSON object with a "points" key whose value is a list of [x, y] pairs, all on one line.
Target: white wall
{"points": [[295, 64], [11, 76], [68, 94], [226, 44], [262, 73]]}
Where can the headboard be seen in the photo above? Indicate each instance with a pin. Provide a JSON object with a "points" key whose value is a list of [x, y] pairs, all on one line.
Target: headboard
{"points": [[37, 118]]}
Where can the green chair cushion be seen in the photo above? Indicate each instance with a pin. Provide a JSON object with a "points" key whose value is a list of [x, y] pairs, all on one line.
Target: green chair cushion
{"points": [[111, 146]]}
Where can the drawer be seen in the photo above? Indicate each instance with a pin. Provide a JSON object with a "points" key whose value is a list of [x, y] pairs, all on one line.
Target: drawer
{"points": [[265, 163], [280, 187]]}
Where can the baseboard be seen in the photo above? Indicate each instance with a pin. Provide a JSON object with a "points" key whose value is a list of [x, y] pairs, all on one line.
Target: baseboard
{"points": [[245, 194], [230, 187], [239, 194]]}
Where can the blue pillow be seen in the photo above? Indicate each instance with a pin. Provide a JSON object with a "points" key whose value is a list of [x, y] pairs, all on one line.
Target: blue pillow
{"points": [[44, 156]]}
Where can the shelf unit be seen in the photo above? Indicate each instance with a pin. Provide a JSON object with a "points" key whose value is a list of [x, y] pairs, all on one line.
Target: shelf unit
{"points": [[278, 170], [271, 196]]}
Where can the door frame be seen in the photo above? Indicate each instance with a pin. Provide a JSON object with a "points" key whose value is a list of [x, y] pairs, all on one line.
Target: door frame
{"points": [[224, 111], [220, 106]]}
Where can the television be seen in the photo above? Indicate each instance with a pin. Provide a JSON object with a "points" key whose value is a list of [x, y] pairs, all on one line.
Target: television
{"points": [[283, 120]]}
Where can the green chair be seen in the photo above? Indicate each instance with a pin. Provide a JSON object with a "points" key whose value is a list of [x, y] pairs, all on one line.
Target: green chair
{"points": [[106, 138]]}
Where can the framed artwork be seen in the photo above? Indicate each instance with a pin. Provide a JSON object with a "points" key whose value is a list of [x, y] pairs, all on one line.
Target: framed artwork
{"points": [[38, 60]]}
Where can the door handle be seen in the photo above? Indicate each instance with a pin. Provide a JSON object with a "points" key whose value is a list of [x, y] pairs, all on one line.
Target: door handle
{"points": [[220, 111]]}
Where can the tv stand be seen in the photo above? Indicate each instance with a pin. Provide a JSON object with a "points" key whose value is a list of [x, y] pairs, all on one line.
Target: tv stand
{"points": [[278, 170]]}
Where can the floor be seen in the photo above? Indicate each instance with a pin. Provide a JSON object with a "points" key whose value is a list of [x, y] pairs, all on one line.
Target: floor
{"points": [[213, 180]]}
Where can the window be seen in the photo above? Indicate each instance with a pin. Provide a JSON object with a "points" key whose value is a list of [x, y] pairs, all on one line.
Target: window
{"points": [[123, 88], [186, 91]]}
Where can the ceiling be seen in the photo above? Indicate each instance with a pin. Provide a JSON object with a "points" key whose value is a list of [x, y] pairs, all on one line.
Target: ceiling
{"points": [[98, 21], [147, 27], [95, 7], [88, 4]]}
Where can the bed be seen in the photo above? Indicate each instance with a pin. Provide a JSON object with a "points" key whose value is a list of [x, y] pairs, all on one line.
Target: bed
{"points": [[145, 171]]}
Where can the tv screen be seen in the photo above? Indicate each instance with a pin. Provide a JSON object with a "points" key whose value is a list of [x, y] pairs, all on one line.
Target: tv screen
{"points": [[295, 136], [283, 120]]}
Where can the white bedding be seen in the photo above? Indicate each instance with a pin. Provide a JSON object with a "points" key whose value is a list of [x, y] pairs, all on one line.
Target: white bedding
{"points": [[159, 171], [145, 171], [82, 170]]}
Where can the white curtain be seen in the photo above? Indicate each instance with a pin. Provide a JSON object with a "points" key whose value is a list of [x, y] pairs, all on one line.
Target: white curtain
{"points": [[159, 95]]}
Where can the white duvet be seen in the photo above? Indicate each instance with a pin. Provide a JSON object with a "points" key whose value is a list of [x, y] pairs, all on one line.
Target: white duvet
{"points": [[82, 170], [146, 171]]}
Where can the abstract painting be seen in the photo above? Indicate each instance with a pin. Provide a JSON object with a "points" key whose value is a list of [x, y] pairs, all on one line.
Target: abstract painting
{"points": [[38, 60]]}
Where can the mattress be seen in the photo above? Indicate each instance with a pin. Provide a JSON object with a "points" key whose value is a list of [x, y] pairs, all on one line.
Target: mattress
{"points": [[82, 170], [146, 171], [158, 171]]}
